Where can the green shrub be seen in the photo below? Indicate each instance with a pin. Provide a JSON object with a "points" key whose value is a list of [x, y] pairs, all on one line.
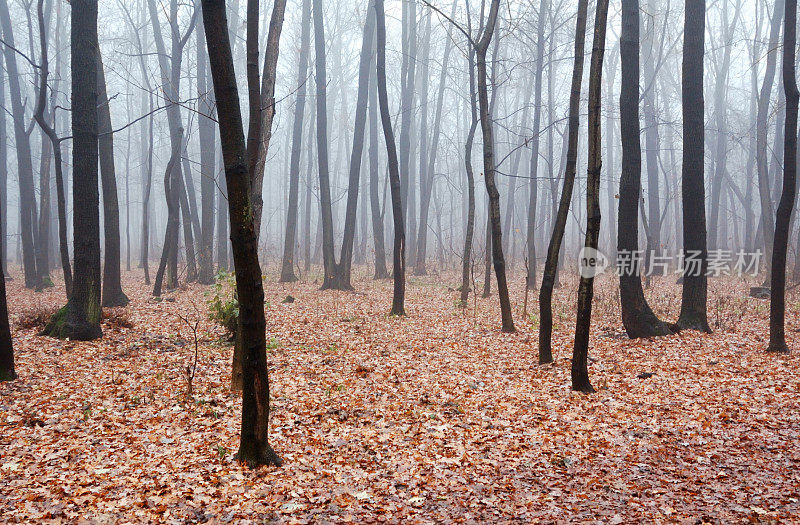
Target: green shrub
{"points": [[223, 304]]}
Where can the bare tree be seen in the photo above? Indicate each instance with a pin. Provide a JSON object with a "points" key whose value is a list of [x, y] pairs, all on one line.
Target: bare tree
{"points": [[693, 313], [80, 318], [777, 310], [551, 264], [399, 270], [254, 448]]}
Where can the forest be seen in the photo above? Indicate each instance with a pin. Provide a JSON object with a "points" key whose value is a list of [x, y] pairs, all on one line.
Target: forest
{"points": [[402, 261]]}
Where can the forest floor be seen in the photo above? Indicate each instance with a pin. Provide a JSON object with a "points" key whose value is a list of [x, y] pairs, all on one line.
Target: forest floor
{"points": [[436, 417]]}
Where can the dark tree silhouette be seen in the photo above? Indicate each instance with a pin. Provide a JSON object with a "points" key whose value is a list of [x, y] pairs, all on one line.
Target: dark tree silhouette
{"points": [[637, 317], [580, 370], [399, 270], [80, 318], [777, 310], [551, 264], [254, 448], [7, 372], [695, 282]]}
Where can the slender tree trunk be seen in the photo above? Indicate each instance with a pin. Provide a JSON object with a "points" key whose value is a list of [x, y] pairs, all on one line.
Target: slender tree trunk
{"points": [[695, 282], [207, 135], [580, 355], [27, 199], [80, 318], [544, 9], [326, 213], [399, 270], [266, 107], [112, 283], [3, 182], [341, 276], [482, 47], [7, 372], [290, 240], [551, 264], [374, 197], [254, 448], [50, 132], [762, 168], [637, 316], [777, 311]]}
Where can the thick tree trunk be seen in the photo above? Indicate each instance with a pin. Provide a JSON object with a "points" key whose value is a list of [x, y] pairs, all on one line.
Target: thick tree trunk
{"points": [[80, 318], [399, 270], [580, 354], [43, 246], [254, 448], [695, 282], [551, 264], [777, 311], [290, 240], [637, 317], [112, 283]]}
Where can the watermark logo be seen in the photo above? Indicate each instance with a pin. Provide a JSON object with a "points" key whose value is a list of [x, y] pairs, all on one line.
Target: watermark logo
{"points": [[689, 263], [591, 262]]}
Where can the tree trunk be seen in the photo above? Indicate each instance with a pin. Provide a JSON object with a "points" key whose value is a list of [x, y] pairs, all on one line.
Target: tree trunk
{"points": [[637, 317], [695, 282], [777, 310], [7, 372], [265, 106], [80, 318], [112, 283], [326, 213], [580, 354], [288, 262], [399, 270], [767, 213], [207, 134], [254, 448], [544, 10], [482, 47], [341, 274], [551, 264], [27, 199], [374, 197]]}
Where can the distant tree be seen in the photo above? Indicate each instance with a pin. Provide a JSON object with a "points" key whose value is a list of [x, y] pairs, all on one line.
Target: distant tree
{"points": [[27, 198], [693, 313], [580, 370], [254, 447], [80, 318], [399, 270], [762, 125], [551, 264], [777, 311], [290, 239], [50, 132], [208, 135]]}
